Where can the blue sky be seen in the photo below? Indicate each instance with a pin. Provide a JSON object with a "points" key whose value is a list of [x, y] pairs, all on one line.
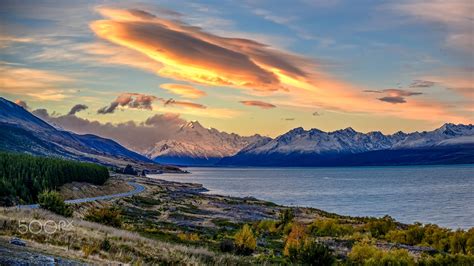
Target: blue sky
{"points": [[371, 65]]}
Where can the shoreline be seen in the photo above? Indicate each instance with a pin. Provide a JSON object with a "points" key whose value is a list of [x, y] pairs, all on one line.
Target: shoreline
{"points": [[184, 216], [209, 192]]}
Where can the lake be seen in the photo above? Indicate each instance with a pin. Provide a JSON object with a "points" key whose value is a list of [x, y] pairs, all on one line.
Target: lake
{"points": [[443, 195]]}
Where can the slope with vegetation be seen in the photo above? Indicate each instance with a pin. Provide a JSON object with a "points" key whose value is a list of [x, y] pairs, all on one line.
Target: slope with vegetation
{"points": [[23, 177]]}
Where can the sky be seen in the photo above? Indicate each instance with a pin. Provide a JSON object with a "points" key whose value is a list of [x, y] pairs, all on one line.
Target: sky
{"points": [[243, 66]]}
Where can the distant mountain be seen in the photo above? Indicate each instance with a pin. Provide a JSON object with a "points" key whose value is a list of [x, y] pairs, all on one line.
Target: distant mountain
{"points": [[193, 144], [446, 145], [21, 131]]}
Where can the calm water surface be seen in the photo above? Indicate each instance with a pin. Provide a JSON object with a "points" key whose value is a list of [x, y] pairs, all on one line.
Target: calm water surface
{"points": [[429, 194]]}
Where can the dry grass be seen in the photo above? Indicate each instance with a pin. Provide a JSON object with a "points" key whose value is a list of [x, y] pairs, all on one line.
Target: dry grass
{"points": [[84, 239]]}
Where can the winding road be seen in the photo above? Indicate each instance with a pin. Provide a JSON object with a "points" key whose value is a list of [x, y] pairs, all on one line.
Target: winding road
{"points": [[137, 189]]}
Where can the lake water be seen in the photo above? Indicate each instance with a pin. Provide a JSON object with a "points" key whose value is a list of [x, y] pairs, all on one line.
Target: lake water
{"points": [[443, 195]]}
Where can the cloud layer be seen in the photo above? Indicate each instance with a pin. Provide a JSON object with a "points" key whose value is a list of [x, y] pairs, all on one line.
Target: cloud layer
{"points": [[263, 105], [394, 95], [136, 136], [186, 91], [188, 53]]}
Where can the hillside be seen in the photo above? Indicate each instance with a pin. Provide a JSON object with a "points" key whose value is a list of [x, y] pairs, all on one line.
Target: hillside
{"points": [[21, 131]]}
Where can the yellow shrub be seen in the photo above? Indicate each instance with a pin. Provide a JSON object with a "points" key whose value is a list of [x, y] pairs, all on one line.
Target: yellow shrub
{"points": [[245, 240], [188, 236]]}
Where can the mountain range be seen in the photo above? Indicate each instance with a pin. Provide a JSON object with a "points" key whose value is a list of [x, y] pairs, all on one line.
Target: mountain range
{"points": [[448, 144], [21, 131], [191, 144]]}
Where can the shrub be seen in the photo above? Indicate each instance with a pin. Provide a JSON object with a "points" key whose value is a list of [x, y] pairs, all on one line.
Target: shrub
{"points": [[108, 216], [245, 241], [365, 254], [52, 200], [267, 226], [330, 227], [286, 217], [226, 245], [105, 244], [188, 237], [128, 170], [380, 227], [295, 240], [442, 239], [446, 259], [314, 253]]}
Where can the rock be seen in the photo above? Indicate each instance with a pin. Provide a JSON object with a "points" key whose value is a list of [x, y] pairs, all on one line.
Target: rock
{"points": [[18, 242]]}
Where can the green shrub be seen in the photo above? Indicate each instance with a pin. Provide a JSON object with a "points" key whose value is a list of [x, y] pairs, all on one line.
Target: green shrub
{"points": [[245, 241], [330, 227], [105, 244], [108, 216], [52, 200], [286, 217], [379, 227], [226, 245], [442, 239], [314, 253], [446, 259], [365, 254]]}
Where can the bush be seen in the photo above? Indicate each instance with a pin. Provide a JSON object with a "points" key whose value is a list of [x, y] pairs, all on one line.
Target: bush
{"points": [[299, 248], [295, 240], [314, 253], [446, 259], [128, 170], [189, 237], [105, 244], [286, 217], [442, 239], [365, 254], [52, 200], [379, 227], [245, 241], [267, 226], [226, 245], [330, 227], [108, 216]]}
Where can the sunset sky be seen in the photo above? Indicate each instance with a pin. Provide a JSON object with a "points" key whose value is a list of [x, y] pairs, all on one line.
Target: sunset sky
{"points": [[244, 66]]}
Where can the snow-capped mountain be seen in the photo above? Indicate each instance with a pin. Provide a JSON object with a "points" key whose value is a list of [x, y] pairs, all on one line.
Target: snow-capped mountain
{"points": [[340, 147], [193, 144]]}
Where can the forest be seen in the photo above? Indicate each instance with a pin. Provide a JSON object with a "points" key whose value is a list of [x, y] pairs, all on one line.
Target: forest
{"points": [[23, 176]]}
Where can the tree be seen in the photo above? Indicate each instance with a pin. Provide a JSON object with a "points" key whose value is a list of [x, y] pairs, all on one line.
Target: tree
{"points": [[245, 241], [52, 200]]}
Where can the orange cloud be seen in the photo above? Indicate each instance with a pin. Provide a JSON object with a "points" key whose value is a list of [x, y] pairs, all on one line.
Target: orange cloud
{"points": [[132, 100], [183, 90], [260, 104], [40, 84], [188, 53]]}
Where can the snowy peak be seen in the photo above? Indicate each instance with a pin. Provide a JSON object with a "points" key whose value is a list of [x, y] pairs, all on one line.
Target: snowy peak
{"points": [[193, 141], [349, 141]]}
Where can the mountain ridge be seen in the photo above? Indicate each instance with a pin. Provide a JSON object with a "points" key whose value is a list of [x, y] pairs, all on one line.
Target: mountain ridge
{"points": [[313, 147], [22, 131]]}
